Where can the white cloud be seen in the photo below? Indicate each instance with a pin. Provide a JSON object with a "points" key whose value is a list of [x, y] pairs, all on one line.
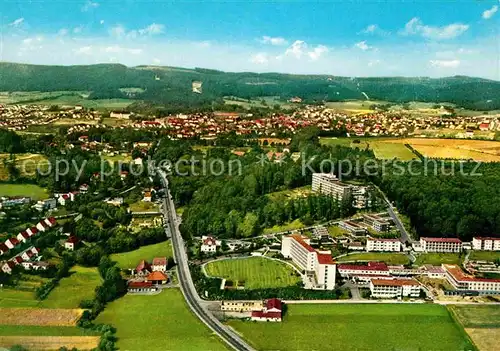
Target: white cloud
{"points": [[101, 21], [18, 22], [317, 52], [373, 63], [117, 31], [278, 41], [445, 63], [62, 32], [363, 45], [416, 27], [489, 13], [78, 29], [115, 49], [260, 58], [374, 29], [152, 29], [89, 5], [84, 50], [296, 49]]}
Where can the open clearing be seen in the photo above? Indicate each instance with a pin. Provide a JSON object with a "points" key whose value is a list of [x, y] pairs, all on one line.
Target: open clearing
{"points": [[39, 316], [389, 258], [80, 285], [294, 225], [437, 259], [291, 193], [26, 164], [482, 323], [31, 190], [477, 150], [358, 327], [381, 147], [17, 298], [131, 259], [256, 272], [51, 342], [143, 206], [157, 323], [484, 256]]}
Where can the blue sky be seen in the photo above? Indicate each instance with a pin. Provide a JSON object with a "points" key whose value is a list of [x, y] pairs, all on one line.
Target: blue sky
{"points": [[351, 38]]}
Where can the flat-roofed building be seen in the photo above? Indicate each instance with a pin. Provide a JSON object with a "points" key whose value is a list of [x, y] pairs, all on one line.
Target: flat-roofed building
{"points": [[486, 243], [241, 306], [441, 244], [377, 223], [394, 288], [329, 184], [465, 282], [352, 227], [364, 272], [393, 245]]}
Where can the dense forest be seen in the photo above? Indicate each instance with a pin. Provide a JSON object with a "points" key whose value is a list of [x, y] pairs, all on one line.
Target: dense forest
{"points": [[172, 86]]}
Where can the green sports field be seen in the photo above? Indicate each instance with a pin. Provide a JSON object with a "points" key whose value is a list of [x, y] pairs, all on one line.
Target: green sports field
{"points": [[357, 327], [389, 258], [131, 259], [157, 323], [484, 256], [31, 190], [256, 272], [438, 258]]}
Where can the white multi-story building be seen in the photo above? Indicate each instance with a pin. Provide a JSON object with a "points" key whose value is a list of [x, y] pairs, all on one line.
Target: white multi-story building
{"points": [[352, 227], [486, 244], [441, 244], [394, 288], [378, 223], [329, 184], [364, 272], [209, 244], [383, 245], [465, 282], [321, 265]]}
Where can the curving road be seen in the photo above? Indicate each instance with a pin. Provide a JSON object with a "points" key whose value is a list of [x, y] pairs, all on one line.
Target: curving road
{"points": [[185, 279]]}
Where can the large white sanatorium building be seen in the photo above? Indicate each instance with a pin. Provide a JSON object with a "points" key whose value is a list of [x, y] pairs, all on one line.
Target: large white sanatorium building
{"points": [[441, 244], [298, 248], [329, 184], [391, 288], [465, 282], [383, 245], [486, 244]]}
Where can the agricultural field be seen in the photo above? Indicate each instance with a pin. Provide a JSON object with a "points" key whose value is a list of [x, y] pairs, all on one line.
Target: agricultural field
{"points": [[265, 101], [256, 272], [131, 259], [31, 190], [437, 259], [17, 298], [26, 164], [358, 327], [354, 106], [482, 323], [51, 342], [80, 285], [478, 150], [389, 258], [40, 317], [383, 148], [484, 256], [157, 323], [294, 225], [118, 158]]}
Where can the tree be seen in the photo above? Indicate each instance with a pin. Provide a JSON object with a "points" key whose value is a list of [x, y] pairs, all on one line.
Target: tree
{"points": [[249, 225]]}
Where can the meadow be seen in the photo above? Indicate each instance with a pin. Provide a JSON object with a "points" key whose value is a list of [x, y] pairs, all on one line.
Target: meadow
{"points": [[17, 298], [157, 323], [256, 272], [26, 164], [437, 259], [293, 225], [31, 190], [70, 291], [383, 148], [484, 256], [131, 259], [358, 327], [389, 258]]}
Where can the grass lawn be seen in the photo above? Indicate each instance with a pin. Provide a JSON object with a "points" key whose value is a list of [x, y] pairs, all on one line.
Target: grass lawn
{"points": [[257, 272], [143, 206], [17, 298], [296, 224], [132, 258], [389, 258], [290, 193], [358, 327], [336, 231], [31, 190], [157, 323], [80, 285], [484, 256], [437, 259], [380, 146], [26, 164], [35, 330]]}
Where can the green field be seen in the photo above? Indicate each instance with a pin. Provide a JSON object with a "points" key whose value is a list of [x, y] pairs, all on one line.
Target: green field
{"points": [[382, 149], [31, 190], [477, 316], [27, 164], [143, 206], [484, 256], [157, 323], [437, 259], [80, 285], [17, 298], [131, 259], [256, 272], [372, 327], [294, 225], [290, 193], [34, 330], [336, 231], [389, 258]]}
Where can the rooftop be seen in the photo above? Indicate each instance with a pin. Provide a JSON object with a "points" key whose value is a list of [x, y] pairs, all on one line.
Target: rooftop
{"points": [[394, 282], [442, 240]]}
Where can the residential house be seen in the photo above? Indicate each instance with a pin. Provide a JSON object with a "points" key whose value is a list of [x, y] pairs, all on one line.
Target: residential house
{"points": [[7, 267], [11, 243], [143, 268], [32, 231], [3, 249], [71, 243], [159, 264], [272, 312], [141, 287], [23, 237], [147, 196], [209, 244], [41, 266], [157, 278]]}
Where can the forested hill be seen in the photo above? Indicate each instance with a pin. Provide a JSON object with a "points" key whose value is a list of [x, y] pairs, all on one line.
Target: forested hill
{"points": [[170, 84]]}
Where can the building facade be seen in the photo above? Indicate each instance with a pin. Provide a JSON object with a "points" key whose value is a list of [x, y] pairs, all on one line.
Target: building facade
{"points": [[394, 288], [468, 283], [393, 245], [441, 244], [486, 244], [329, 184]]}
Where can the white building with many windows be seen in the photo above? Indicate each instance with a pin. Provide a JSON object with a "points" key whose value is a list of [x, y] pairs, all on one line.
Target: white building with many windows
{"points": [[465, 282], [383, 245], [394, 288], [329, 184], [441, 244], [317, 264], [486, 244]]}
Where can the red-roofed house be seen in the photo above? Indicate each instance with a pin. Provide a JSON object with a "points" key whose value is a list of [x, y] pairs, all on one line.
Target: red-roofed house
{"points": [[32, 231], [209, 244], [391, 288], [157, 278], [27, 255], [42, 226], [3, 249], [486, 243], [272, 312], [23, 237], [159, 264], [71, 243], [143, 268], [138, 287], [484, 127], [17, 260], [51, 221], [441, 244], [11, 243], [7, 267]]}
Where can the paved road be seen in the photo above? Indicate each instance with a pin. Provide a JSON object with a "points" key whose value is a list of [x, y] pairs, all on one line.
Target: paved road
{"points": [[390, 209], [186, 281]]}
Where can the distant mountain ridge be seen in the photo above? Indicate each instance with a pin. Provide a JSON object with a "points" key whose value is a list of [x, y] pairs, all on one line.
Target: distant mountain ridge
{"points": [[165, 85]]}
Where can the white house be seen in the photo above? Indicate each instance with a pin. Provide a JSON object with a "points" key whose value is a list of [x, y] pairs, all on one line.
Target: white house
{"points": [[23, 237], [7, 267], [272, 312], [486, 243], [394, 288], [71, 243], [159, 264], [393, 245], [209, 244], [11, 243]]}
